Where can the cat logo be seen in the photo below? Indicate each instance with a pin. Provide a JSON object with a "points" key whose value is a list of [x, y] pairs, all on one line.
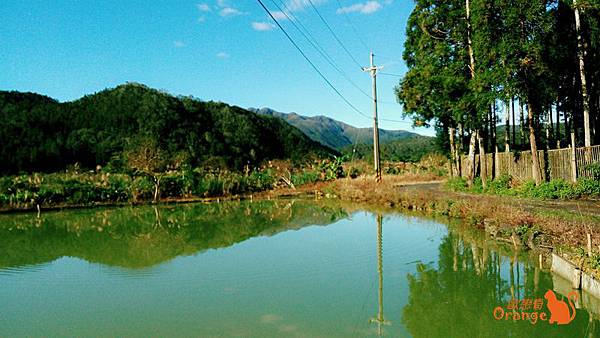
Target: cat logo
{"points": [[559, 311], [531, 310]]}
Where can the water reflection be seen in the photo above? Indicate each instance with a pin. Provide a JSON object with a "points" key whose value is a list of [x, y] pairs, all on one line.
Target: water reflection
{"points": [[380, 320], [457, 297], [234, 269], [144, 236]]}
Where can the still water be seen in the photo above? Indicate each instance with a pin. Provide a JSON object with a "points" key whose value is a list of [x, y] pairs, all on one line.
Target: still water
{"points": [[286, 268]]}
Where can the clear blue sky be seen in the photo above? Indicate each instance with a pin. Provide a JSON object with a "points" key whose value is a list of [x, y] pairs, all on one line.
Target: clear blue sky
{"points": [[222, 50]]}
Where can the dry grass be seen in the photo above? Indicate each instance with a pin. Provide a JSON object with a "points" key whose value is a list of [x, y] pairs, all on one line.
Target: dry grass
{"points": [[504, 216]]}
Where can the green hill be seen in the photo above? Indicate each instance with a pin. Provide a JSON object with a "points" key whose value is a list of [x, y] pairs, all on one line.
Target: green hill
{"points": [[410, 149], [333, 133], [38, 133]]}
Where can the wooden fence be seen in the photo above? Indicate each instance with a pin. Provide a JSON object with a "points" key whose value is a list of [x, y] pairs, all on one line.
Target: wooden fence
{"points": [[554, 164]]}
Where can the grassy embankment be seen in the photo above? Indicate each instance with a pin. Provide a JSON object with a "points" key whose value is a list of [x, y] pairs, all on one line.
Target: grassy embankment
{"points": [[75, 188]]}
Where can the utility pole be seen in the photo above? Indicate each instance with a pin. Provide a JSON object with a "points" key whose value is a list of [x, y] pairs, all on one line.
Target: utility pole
{"points": [[379, 319], [373, 70]]}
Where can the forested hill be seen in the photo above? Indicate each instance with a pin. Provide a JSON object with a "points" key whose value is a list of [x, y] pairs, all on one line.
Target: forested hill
{"points": [[38, 133], [334, 133]]}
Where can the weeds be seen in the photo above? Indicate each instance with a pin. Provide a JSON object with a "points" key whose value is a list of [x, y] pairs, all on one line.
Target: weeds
{"points": [[555, 189]]}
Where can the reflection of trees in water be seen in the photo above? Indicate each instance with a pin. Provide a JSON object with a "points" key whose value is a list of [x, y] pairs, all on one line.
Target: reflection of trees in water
{"points": [[143, 236], [457, 298]]}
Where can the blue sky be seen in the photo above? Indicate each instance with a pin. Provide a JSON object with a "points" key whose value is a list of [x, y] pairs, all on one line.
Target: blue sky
{"points": [[222, 50]]}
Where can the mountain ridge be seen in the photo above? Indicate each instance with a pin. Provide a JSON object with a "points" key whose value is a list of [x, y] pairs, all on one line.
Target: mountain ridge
{"points": [[331, 132]]}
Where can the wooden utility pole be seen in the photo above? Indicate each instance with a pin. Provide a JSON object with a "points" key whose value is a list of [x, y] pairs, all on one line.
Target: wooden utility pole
{"points": [[373, 70], [379, 319]]}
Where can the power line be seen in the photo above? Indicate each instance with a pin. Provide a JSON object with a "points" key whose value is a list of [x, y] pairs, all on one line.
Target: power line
{"points": [[315, 44], [310, 62], [390, 74], [358, 35], [333, 33]]}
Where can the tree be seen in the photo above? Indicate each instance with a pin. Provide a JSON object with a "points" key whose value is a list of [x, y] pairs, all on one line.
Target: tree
{"points": [[145, 156]]}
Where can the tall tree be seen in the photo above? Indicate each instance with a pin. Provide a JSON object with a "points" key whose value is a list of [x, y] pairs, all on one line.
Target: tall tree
{"points": [[583, 79]]}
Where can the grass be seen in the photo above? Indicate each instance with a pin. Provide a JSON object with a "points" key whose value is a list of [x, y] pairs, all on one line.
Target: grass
{"points": [[554, 189]]}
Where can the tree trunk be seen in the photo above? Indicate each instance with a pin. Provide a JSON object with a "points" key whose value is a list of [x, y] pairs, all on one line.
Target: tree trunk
{"points": [[535, 168], [549, 127], [507, 131], [584, 93], [459, 149], [482, 163], [557, 126], [156, 189], [469, 43], [471, 165], [474, 134], [522, 123], [453, 168], [512, 104]]}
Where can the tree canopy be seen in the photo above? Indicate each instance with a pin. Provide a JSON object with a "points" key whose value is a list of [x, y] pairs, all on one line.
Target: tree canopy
{"points": [[41, 134]]}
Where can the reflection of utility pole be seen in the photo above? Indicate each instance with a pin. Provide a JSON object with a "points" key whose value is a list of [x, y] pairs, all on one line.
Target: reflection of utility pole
{"points": [[379, 319], [373, 70]]}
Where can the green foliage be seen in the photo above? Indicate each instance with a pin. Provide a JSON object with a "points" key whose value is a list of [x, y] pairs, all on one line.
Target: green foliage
{"points": [[555, 189], [594, 170], [500, 186], [333, 169], [306, 176], [588, 187], [410, 149], [457, 184], [27, 191], [117, 126]]}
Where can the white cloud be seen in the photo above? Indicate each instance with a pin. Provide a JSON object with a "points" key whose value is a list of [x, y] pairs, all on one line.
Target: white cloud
{"points": [[223, 55], [201, 19], [280, 15], [229, 11], [262, 26], [203, 7], [222, 3], [178, 44], [298, 5], [368, 7]]}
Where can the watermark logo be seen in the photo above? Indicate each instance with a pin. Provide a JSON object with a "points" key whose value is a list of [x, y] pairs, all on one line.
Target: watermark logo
{"points": [[532, 310]]}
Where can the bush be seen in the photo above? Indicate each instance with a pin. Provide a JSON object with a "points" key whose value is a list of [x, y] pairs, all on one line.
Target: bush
{"points": [[500, 186], [305, 177], [588, 187], [456, 184], [142, 188], [594, 170]]}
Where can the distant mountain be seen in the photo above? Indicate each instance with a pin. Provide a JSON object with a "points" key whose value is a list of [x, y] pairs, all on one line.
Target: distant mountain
{"points": [[333, 133], [39, 133]]}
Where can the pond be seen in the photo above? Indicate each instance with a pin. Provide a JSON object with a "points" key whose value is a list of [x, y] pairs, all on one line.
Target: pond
{"points": [[282, 268]]}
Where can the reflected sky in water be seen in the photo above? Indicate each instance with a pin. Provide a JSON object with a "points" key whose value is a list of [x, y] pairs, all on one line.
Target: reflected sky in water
{"points": [[262, 269]]}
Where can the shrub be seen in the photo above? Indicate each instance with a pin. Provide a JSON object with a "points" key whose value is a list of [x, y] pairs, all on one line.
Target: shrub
{"points": [[456, 184], [594, 170], [305, 177], [588, 187], [501, 186], [142, 188]]}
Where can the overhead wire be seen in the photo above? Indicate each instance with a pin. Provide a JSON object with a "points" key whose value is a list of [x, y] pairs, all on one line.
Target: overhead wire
{"points": [[358, 35], [333, 33], [315, 68], [390, 74], [315, 44]]}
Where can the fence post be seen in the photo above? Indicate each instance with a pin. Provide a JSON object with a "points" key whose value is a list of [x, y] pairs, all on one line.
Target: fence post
{"points": [[496, 163], [573, 159]]}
